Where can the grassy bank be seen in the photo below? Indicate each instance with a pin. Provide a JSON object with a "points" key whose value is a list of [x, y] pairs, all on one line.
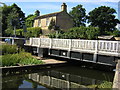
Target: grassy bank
{"points": [[12, 56]]}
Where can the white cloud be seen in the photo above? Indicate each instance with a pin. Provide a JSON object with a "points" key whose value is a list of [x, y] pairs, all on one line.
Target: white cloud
{"points": [[60, 0]]}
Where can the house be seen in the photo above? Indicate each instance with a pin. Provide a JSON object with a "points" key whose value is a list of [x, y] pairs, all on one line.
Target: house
{"points": [[62, 19]]}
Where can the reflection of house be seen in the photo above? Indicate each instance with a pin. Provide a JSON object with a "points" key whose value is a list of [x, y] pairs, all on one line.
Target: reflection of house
{"points": [[62, 19]]}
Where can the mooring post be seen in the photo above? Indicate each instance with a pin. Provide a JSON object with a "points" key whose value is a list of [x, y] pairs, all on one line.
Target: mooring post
{"points": [[96, 51]]}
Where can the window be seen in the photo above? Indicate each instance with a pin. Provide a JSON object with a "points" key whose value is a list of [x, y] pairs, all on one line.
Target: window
{"points": [[39, 23], [47, 21]]}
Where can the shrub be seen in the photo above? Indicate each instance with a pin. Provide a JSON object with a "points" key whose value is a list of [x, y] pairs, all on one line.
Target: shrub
{"points": [[8, 49], [92, 33], [116, 33], [30, 61], [105, 84], [10, 59], [31, 32], [21, 58], [78, 33]]}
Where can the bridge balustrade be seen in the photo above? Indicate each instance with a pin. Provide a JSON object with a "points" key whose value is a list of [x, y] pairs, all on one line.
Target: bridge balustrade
{"points": [[91, 46]]}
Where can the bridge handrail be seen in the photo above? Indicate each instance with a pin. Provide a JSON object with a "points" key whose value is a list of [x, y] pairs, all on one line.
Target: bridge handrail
{"points": [[93, 46]]}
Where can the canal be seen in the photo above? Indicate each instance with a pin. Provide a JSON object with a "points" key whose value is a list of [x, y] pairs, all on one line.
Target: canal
{"points": [[69, 76]]}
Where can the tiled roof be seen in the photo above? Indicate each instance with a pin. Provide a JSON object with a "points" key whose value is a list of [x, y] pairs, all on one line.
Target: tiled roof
{"points": [[48, 15]]}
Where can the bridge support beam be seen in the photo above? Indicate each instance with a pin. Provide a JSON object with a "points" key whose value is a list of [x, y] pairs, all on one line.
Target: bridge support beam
{"points": [[42, 52]]}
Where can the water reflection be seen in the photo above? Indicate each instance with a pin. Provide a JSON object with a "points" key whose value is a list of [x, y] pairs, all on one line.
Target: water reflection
{"points": [[62, 77], [62, 80]]}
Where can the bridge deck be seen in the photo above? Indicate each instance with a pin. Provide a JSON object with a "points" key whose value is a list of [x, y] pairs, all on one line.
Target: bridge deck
{"points": [[102, 47]]}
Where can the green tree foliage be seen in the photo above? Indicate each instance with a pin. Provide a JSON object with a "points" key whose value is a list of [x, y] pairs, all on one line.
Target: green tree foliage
{"points": [[79, 15], [21, 16], [78, 33], [92, 33], [52, 24], [104, 18], [31, 32], [6, 11], [37, 12], [29, 20]]}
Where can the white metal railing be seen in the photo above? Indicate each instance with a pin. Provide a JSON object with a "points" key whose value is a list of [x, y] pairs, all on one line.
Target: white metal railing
{"points": [[94, 46]]}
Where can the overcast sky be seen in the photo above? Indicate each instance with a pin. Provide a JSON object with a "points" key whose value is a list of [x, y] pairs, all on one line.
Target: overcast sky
{"points": [[50, 6]]}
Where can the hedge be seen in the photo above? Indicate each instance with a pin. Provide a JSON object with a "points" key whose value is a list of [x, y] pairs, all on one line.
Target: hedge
{"points": [[78, 33], [30, 32]]}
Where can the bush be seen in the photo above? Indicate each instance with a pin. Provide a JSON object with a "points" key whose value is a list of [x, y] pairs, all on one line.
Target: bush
{"points": [[10, 59], [78, 33], [22, 58], [8, 49], [105, 84], [31, 32], [116, 33], [92, 33]]}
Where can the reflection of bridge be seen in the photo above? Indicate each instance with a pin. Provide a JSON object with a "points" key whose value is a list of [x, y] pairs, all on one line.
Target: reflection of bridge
{"points": [[62, 80], [96, 51]]}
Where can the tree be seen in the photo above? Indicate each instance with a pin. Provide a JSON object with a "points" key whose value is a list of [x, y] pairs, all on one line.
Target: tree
{"points": [[12, 21], [30, 19], [21, 16], [37, 12], [52, 24], [6, 10], [79, 15], [104, 18]]}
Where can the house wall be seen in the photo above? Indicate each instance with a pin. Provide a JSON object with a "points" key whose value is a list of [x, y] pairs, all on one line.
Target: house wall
{"points": [[64, 20], [43, 23], [35, 23]]}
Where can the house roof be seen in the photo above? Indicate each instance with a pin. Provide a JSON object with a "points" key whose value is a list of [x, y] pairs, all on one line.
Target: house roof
{"points": [[48, 15], [105, 37]]}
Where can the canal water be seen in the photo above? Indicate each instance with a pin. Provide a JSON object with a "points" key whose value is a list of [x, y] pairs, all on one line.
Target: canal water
{"points": [[57, 78]]}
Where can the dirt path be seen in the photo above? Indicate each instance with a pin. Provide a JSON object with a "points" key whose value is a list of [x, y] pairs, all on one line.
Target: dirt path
{"points": [[48, 60]]}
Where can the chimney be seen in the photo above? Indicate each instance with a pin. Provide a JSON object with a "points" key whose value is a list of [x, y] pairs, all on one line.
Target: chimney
{"points": [[37, 13], [64, 7]]}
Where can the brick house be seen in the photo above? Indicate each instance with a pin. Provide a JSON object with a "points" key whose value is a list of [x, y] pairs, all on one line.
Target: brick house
{"points": [[62, 19]]}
